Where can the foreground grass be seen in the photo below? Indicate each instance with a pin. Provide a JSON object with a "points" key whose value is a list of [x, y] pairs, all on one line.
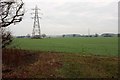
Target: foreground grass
{"points": [[89, 66], [84, 46], [54, 65]]}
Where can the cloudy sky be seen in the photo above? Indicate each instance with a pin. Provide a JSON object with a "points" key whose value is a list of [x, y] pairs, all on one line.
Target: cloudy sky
{"points": [[70, 16]]}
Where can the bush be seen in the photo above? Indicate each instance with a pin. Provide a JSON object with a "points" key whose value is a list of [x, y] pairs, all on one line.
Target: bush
{"points": [[6, 37]]}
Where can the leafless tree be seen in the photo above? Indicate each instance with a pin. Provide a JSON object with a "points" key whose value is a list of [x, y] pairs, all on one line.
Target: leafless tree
{"points": [[11, 11]]}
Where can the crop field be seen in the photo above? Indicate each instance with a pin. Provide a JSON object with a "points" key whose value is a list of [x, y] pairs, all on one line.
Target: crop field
{"points": [[84, 46]]}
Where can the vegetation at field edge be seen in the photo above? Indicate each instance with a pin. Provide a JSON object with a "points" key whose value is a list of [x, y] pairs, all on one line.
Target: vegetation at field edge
{"points": [[26, 64]]}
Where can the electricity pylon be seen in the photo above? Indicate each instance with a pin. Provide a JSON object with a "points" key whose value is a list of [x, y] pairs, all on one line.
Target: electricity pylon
{"points": [[36, 33]]}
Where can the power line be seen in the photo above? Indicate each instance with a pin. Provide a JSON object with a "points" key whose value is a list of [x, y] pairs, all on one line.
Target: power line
{"points": [[36, 33]]}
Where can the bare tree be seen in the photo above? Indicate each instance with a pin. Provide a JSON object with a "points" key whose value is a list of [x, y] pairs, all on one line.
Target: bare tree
{"points": [[11, 11]]}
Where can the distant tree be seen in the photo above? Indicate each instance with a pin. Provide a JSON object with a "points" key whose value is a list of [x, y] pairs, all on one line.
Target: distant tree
{"points": [[11, 11], [28, 35], [43, 35], [63, 35], [74, 35], [90, 36], [118, 34], [96, 35]]}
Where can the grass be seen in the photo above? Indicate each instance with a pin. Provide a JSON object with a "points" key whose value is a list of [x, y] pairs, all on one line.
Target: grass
{"points": [[56, 65], [84, 46], [89, 66], [61, 58]]}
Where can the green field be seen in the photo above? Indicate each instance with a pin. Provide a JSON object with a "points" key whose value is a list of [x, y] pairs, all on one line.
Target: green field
{"points": [[62, 58], [84, 46]]}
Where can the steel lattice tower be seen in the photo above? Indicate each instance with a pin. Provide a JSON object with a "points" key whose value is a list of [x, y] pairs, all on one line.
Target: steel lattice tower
{"points": [[36, 33]]}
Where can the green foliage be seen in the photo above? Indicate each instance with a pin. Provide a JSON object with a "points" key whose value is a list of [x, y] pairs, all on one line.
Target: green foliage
{"points": [[84, 46]]}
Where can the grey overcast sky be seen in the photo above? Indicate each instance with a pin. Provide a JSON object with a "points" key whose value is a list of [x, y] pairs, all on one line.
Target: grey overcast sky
{"points": [[70, 16]]}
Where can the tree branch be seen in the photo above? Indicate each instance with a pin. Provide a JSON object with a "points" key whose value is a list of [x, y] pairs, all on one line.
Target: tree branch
{"points": [[6, 18]]}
